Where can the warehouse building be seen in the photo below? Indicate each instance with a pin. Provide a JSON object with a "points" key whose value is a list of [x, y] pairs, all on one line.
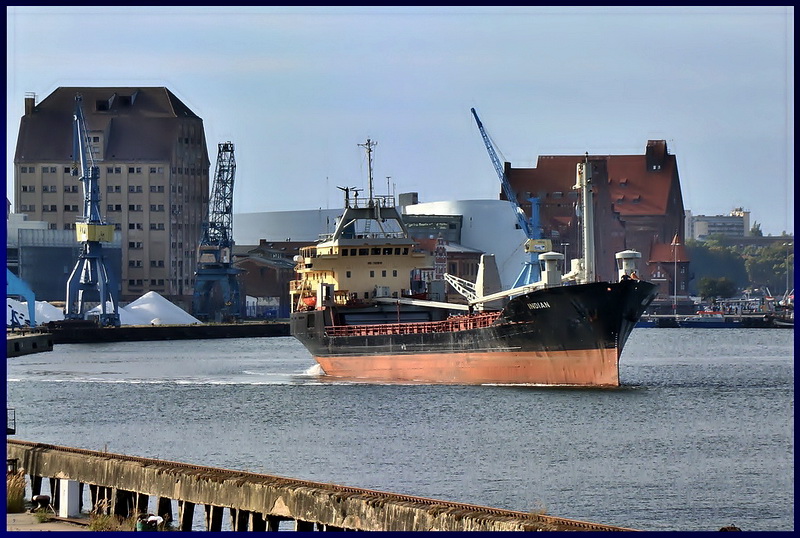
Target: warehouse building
{"points": [[151, 152]]}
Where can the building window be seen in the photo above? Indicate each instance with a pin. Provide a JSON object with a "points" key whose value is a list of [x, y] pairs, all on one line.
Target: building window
{"points": [[372, 274], [134, 263], [152, 169], [49, 208], [347, 274], [135, 244], [394, 272], [70, 188], [130, 169], [52, 226], [71, 207], [28, 188], [134, 188], [118, 226], [134, 225], [67, 170], [156, 263], [156, 207], [134, 207], [156, 225], [27, 207]]}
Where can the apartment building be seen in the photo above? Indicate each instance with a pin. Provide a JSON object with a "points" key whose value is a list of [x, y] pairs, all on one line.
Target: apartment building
{"points": [[151, 152], [734, 224]]}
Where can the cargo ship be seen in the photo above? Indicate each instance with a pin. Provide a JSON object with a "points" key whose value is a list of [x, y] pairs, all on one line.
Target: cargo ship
{"points": [[356, 311]]}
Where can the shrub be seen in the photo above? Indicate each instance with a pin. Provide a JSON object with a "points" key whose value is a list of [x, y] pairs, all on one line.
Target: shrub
{"points": [[42, 515]]}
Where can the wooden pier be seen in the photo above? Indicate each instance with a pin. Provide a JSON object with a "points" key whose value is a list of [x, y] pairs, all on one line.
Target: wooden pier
{"points": [[127, 485]]}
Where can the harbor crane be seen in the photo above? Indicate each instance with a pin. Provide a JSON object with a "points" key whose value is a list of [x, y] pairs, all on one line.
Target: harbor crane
{"points": [[534, 244], [91, 271], [216, 288]]}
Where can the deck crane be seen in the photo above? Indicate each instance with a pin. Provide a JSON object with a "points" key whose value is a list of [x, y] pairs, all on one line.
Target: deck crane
{"points": [[534, 244], [90, 272], [216, 289]]}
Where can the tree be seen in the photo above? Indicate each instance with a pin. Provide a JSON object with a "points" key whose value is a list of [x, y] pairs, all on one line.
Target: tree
{"points": [[711, 259], [722, 288], [755, 231]]}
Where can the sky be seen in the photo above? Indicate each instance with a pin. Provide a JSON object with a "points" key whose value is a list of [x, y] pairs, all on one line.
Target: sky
{"points": [[297, 89]]}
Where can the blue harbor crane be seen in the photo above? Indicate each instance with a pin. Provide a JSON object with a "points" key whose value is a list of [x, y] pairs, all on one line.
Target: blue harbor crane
{"points": [[216, 288], [534, 244], [91, 272]]}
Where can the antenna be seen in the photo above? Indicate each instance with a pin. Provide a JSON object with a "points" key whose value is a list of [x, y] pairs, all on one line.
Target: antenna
{"points": [[369, 145]]}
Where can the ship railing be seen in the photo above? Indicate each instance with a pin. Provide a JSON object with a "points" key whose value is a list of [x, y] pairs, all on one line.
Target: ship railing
{"points": [[451, 324], [382, 200]]}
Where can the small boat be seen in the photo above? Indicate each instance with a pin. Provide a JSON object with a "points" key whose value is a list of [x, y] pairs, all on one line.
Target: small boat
{"points": [[708, 319]]}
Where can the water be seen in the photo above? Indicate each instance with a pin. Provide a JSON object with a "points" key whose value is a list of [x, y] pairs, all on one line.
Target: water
{"points": [[700, 436]]}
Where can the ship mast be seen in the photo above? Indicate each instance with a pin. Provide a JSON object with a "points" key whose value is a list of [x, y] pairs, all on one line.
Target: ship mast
{"points": [[583, 181], [369, 145]]}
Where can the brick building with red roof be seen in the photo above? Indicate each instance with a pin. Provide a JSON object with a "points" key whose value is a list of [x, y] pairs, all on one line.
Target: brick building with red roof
{"points": [[638, 205]]}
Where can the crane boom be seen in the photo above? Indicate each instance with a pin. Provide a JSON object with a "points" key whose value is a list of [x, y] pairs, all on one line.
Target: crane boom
{"points": [[509, 192], [219, 229], [534, 244]]}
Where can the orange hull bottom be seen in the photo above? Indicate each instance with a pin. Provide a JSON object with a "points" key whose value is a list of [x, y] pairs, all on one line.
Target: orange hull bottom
{"points": [[589, 367]]}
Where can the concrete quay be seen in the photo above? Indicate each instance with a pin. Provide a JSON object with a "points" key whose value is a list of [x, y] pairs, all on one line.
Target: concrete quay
{"points": [[27, 522], [26, 342], [70, 332]]}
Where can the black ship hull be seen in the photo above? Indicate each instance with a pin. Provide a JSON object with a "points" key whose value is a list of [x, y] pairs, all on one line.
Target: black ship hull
{"points": [[567, 335]]}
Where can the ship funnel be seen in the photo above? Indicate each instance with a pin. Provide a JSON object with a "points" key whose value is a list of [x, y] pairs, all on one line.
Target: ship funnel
{"points": [[551, 275], [626, 263]]}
